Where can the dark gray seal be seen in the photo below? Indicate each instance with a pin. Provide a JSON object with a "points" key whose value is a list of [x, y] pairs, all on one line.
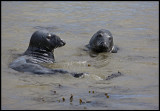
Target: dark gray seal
{"points": [[102, 41], [40, 50]]}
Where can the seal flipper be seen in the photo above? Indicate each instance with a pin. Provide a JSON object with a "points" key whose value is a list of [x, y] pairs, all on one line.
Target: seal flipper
{"points": [[114, 75], [91, 53], [54, 71], [87, 47], [77, 75], [114, 49]]}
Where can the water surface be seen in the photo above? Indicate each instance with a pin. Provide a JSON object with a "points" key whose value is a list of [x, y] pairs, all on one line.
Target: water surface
{"points": [[134, 26]]}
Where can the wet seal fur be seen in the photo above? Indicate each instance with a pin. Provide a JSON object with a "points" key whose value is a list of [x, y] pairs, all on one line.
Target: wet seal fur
{"points": [[40, 50], [102, 41]]}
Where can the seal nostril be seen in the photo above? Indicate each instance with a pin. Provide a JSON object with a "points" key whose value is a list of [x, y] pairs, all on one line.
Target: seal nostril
{"points": [[102, 43], [64, 42]]}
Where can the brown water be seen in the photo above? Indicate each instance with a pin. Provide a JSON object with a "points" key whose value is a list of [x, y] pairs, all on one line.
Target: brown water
{"points": [[134, 26]]}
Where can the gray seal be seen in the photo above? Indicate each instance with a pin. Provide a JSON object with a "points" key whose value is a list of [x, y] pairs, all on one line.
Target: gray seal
{"points": [[40, 50], [42, 45], [102, 41]]}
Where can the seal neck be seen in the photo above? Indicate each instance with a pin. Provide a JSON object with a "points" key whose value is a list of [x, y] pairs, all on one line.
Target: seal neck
{"points": [[40, 54]]}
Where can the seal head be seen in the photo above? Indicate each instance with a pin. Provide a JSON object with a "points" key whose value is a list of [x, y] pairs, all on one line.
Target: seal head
{"points": [[42, 45], [101, 41]]}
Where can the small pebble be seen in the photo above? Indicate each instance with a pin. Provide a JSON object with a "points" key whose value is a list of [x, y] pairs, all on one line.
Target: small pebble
{"points": [[106, 94], [80, 101], [71, 98], [60, 85], [63, 99]]}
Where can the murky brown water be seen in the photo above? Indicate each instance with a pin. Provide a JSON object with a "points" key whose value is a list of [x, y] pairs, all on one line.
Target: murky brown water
{"points": [[134, 26]]}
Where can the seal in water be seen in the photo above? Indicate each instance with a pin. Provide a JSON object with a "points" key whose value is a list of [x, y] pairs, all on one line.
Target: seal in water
{"points": [[102, 41], [40, 50]]}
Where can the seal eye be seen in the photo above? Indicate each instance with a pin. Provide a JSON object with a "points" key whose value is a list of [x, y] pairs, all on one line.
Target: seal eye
{"points": [[49, 36], [100, 35]]}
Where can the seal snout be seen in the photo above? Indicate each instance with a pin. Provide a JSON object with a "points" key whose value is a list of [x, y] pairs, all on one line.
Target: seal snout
{"points": [[103, 44], [62, 42]]}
